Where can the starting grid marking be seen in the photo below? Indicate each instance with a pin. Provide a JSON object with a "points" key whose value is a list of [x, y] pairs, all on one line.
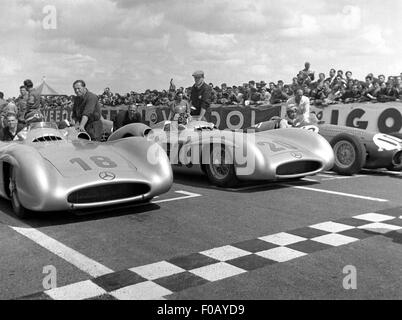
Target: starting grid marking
{"points": [[294, 186], [187, 195], [80, 261], [158, 280], [350, 195], [329, 176]]}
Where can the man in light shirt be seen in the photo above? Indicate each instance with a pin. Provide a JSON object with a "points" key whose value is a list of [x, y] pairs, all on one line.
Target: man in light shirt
{"points": [[301, 104]]}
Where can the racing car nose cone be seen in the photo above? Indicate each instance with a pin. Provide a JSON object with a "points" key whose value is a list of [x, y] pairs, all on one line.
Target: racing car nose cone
{"points": [[297, 155], [108, 176]]}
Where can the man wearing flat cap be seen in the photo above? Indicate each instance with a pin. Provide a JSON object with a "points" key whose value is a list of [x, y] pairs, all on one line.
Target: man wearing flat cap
{"points": [[201, 96]]}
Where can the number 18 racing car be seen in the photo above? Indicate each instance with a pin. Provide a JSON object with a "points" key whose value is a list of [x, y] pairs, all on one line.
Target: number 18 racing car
{"points": [[54, 170]]}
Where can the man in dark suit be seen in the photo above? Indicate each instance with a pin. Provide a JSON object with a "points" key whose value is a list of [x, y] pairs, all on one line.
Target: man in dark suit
{"points": [[124, 117], [201, 95]]}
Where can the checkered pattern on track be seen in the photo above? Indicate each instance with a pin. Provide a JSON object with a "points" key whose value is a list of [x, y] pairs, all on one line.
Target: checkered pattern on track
{"points": [[158, 280]]}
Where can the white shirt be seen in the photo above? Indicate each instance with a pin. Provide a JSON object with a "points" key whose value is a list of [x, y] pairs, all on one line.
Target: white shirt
{"points": [[303, 108]]}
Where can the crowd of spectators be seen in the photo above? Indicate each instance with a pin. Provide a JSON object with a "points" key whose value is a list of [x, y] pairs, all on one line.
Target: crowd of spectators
{"points": [[336, 87]]}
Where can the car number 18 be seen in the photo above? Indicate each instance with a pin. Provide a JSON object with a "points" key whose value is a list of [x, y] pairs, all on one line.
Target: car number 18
{"points": [[99, 161]]}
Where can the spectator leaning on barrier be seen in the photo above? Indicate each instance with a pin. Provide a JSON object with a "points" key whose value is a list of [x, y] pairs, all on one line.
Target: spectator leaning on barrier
{"points": [[200, 96], [381, 79], [332, 77], [348, 75], [367, 94], [265, 96], [351, 95], [278, 95], [87, 111], [320, 80], [371, 75], [389, 93], [317, 95]]}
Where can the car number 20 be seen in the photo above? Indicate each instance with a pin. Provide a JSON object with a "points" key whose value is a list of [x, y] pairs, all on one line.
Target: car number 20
{"points": [[99, 161]]}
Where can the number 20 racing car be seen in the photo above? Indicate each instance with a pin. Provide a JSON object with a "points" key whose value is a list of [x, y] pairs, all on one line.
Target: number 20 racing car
{"points": [[228, 157], [354, 148], [54, 170]]}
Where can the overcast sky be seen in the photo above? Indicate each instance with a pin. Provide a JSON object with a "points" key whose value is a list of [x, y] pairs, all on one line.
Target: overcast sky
{"points": [[135, 45]]}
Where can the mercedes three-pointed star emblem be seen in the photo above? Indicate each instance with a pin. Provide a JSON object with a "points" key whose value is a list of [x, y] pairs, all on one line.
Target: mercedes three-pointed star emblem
{"points": [[108, 176]]}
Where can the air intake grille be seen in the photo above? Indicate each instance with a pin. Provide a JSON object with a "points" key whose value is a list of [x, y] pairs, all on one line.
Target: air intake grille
{"points": [[47, 139], [108, 192], [298, 167]]}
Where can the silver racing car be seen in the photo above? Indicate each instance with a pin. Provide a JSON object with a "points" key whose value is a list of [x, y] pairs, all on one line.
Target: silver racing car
{"points": [[50, 170], [228, 157]]}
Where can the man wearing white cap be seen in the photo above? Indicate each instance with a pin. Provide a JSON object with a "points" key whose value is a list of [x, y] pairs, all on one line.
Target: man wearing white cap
{"points": [[200, 96]]}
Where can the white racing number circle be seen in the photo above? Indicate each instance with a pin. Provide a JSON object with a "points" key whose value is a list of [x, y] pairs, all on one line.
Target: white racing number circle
{"points": [[386, 142]]}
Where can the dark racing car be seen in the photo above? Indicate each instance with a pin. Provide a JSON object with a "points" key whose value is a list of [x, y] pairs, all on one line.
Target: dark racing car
{"points": [[355, 148]]}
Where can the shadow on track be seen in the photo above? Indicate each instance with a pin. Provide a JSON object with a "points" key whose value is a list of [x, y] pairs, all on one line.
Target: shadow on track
{"points": [[383, 173], [137, 211], [201, 181]]}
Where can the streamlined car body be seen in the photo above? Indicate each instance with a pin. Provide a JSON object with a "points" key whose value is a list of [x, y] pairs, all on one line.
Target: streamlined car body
{"points": [[355, 148], [50, 170], [228, 157]]}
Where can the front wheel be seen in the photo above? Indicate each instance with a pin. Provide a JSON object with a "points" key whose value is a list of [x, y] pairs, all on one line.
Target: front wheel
{"points": [[350, 154], [18, 208], [221, 169]]}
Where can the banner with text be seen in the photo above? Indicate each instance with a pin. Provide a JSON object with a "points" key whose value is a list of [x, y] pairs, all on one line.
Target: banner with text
{"points": [[376, 117], [223, 116]]}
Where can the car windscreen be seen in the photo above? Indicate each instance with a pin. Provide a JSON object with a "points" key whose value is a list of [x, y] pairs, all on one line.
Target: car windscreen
{"points": [[41, 125]]}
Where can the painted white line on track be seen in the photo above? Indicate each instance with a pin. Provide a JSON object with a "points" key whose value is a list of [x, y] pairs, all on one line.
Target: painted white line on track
{"points": [[325, 175], [343, 177], [247, 188], [187, 195], [310, 180], [384, 171], [91, 267], [82, 262], [350, 195]]}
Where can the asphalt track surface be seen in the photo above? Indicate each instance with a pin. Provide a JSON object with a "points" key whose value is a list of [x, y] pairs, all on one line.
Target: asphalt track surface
{"points": [[195, 217]]}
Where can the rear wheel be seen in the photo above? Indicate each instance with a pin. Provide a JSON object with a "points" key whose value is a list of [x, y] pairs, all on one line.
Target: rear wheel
{"points": [[350, 154], [221, 169], [18, 208]]}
